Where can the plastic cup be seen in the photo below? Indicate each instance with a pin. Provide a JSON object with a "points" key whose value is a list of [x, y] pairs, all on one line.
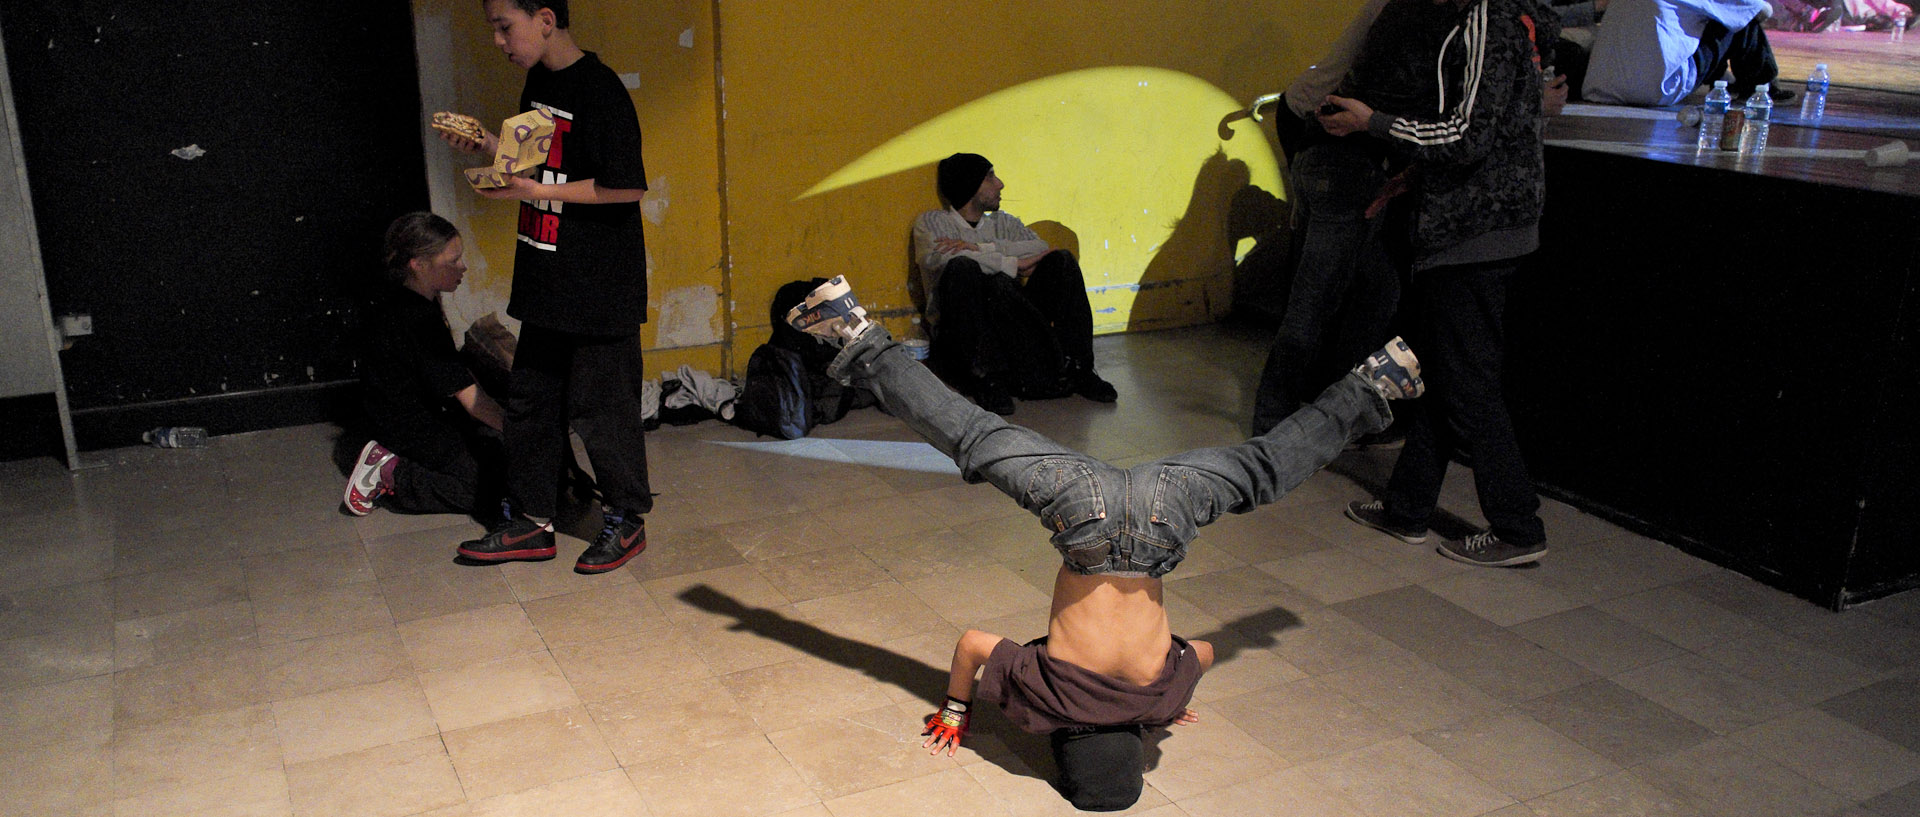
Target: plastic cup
{"points": [[1891, 154]]}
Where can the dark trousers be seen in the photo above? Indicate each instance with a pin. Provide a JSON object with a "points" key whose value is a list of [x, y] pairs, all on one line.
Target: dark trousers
{"points": [[1344, 289], [561, 379], [1020, 336], [1746, 49], [1459, 334], [465, 480]]}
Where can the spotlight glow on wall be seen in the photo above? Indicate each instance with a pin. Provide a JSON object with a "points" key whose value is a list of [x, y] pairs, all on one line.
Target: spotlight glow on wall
{"points": [[1117, 155]]}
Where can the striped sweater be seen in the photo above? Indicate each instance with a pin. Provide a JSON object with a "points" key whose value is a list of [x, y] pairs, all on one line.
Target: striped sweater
{"points": [[1002, 240]]}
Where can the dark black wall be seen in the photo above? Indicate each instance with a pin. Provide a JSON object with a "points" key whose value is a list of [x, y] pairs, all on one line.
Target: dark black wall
{"points": [[234, 273], [1726, 362]]}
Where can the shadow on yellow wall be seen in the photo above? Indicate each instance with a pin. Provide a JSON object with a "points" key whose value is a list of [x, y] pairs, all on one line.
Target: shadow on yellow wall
{"points": [[797, 139], [1226, 219], [1127, 160]]}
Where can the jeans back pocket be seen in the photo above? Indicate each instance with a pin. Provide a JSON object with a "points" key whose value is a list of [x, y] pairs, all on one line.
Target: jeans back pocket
{"points": [[1064, 493], [1183, 501]]}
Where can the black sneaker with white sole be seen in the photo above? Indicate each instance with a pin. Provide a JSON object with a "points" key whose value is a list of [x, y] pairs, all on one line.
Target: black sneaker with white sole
{"points": [[1489, 550], [1374, 515]]}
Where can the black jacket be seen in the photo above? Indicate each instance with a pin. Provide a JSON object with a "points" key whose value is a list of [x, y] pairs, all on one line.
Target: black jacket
{"points": [[1477, 139]]}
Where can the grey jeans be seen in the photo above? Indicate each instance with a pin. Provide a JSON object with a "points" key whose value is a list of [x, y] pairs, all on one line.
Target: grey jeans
{"points": [[1107, 520]]}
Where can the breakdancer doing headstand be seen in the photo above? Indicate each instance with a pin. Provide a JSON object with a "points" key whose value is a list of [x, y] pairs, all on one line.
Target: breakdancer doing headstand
{"points": [[1109, 665]]}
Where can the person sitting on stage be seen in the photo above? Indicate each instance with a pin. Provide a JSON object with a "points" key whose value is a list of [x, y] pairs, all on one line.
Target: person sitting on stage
{"points": [[1655, 52], [1109, 666], [436, 431]]}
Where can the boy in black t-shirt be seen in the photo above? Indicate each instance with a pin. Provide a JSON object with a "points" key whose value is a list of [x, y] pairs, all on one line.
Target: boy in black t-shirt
{"points": [[580, 292]]}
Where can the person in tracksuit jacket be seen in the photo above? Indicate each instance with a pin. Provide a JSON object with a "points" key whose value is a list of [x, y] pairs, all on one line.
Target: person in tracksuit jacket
{"points": [[1477, 189]]}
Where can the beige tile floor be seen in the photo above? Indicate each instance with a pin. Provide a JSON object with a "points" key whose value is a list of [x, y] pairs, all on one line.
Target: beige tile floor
{"points": [[202, 633]]}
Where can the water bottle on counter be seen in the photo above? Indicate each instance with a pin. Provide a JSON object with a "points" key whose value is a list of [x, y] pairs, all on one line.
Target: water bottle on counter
{"points": [[1814, 104], [1753, 135], [176, 437], [1713, 115]]}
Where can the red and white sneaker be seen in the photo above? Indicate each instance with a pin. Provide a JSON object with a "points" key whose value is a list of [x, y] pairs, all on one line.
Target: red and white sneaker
{"points": [[366, 483]]}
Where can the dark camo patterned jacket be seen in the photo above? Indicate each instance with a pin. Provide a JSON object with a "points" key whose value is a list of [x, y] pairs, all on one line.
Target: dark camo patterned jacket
{"points": [[1476, 141]]}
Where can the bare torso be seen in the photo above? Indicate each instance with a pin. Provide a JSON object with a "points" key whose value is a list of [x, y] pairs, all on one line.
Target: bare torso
{"points": [[1110, 625]]}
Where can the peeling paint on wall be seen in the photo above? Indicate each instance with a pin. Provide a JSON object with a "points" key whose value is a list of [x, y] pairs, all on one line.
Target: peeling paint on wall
{"points": [[654, 206], [687, 317]]}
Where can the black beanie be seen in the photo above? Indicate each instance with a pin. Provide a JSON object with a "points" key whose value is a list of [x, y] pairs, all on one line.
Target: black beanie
{"points": [[1100, 767], [960, 177]]}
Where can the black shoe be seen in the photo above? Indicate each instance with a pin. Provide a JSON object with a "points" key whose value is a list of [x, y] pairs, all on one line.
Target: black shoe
{"points": [[622, 537], [993, 398], [1048, 389], [1090, 385], [1488, 550], [514, 538], [1374, 515]]}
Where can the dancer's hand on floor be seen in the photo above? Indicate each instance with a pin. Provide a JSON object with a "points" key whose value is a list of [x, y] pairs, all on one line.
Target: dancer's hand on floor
{"points": [[946, 727]]}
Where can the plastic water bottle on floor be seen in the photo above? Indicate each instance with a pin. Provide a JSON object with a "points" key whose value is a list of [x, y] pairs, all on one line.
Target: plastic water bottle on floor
{"points": [[176, 437], [1713, 115], [1814, 104], [1753, 136]]}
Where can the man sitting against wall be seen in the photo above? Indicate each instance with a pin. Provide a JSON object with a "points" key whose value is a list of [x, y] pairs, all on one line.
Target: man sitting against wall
{"points": [[1009, 313]]}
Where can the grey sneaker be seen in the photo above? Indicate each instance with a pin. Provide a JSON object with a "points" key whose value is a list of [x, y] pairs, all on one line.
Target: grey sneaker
{"points": [[1374, 515], [1488, 550], [1394, 371], [830, 311]]}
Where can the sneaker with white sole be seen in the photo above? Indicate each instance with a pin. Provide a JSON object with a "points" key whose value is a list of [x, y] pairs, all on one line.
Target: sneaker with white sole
{"points": [[831, 312], [367, 483], [1489, 550], [1374, 515], [1394, 371]]}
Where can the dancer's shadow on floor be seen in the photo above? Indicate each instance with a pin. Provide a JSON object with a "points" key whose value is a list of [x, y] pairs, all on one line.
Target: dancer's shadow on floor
{"points": [[929, 683]]}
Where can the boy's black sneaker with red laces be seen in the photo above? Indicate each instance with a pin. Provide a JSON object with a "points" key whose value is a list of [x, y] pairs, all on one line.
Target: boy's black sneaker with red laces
{"points": [[514, 538], [622, 537]]}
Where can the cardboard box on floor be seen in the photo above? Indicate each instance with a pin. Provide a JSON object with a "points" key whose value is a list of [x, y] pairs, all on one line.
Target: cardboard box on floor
{"points": [[524, 142]]}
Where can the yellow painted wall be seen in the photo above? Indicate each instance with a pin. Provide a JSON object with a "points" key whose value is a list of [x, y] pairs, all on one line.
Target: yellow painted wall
{"points": [[687, 321], [1104, 119]]}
